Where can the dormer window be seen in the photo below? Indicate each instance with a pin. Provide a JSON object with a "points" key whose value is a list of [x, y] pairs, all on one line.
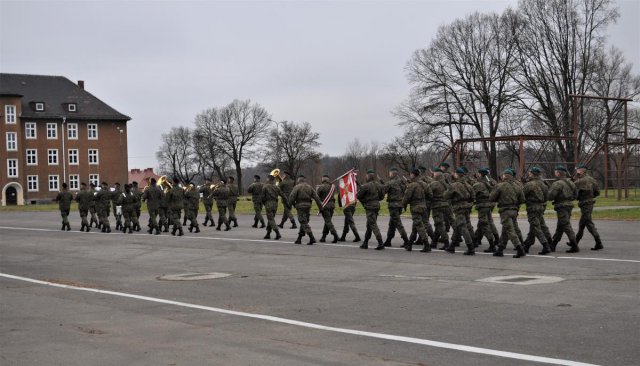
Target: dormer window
{"points": [[39, 107], [72, 107]]}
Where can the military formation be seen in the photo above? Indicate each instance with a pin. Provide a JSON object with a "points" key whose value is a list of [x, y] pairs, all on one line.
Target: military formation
{"points": [[427, 195]]}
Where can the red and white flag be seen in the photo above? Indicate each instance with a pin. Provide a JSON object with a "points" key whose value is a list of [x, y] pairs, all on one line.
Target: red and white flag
{"points": [[348, 188]]}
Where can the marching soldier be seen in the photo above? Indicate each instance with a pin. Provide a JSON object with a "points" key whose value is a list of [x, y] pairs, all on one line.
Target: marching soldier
{"points": [[64, 199], [137, 205], [234, 193], [103, 200], [115, 196], [509, 196], [461, 196], [370, 194], [269, 196], [153, 195], [394, 189], [175, 199], [84, 199], [588, 190], [535, 194], [221, 195], [192, 204], [349, 222], [286, 186], [425, 177], [325, 193], [255, 190], [439, 208], [562, 192], [486, 228], [448, 216], [207, 201], [128, 201], [415, 197], [92, 206], [163, 211], [301, 197]]}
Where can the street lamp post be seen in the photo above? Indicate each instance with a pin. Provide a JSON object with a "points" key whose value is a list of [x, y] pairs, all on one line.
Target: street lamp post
{"points": [[120, 132]]}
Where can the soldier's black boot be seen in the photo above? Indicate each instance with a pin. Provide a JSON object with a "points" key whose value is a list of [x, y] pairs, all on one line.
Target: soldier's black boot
{"points": [[82, 227], [150, 231], [180, 232], [268, 236], [387, 242], [228, 227], [87, 228], [552, 245], [219, 227], [281, 225], [381, 245], [492, 247], [343, 237], [357, 238], [365, 243], [197, 229], [323, 238], [130, 231], [157, 230], [299, 239], [498, 252], [108, 228], [191, 228], [312, 240], [235, 222], [599, 245], [335, 237], [184, 222], [573, 247], [255, 223], [451, 248], [408, 247], [278, 236], [470, 250], [206, 221], [104, 229], [545, 249], [519, 252], [262, 225], [174, 230]]}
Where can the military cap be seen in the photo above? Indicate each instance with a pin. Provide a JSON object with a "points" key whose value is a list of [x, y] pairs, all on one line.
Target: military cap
{"points": [[104, 183], [465, 169], [325, 176], [153, 180], [371, 171], [436, 169], [301, 176], [483, 171], [231, 178], [422, 167], [176, 180], [535, 170], [134, 183], [561, 168], [581, 166], [461, 170], [393, 169], [445, 164], [118, 184], [415, 172], [510, 172], [257, 176], [270, 177]]}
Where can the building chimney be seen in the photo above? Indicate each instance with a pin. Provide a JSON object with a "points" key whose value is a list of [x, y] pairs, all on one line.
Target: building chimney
{"points": [[81, 83]]}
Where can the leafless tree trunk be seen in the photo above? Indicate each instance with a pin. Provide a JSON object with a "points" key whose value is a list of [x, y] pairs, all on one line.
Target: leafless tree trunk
{"points": [[176, 154], [293, 145]]}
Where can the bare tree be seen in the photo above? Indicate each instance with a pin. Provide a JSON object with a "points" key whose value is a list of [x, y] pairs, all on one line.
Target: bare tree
{"points": [[405, 151], [292, 145], [207, 147], [356, 153], [176, 155]]}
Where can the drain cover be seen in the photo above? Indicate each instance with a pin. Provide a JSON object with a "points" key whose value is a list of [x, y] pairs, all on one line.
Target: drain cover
{"points": [[522, 280], [193, 276]]}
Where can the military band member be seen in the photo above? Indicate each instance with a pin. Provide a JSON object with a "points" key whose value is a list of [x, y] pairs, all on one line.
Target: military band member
{"points": [[64, 199], [349, 222], [448, 216], [394, 188], [255, 190], [103, 201], [415, 197], [137, 205], [301, 198], [482, 188], [269, 194], [128, 200], [84, 199], [370, 194], [562, 193], [439, 208], [152, 195], [164, 219], [234, 193], [588, 190], [192, 205], [460, 195], [323, 191], [175, 198], [221, 195], [92, 206], [509, 196], [115, 196], [286, 186], [535, 194], [207, 201]]}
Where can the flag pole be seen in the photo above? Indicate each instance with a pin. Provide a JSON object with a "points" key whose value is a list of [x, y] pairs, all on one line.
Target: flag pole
{"points": [[335, 180]]}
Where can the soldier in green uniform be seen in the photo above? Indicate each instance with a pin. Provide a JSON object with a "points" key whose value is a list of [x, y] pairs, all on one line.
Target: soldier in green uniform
{"points": [[415, 197], [269, 193], [562, 192], [234, 193], [482, 189], [325, 192], [117, 212], [286, 186], [449, 219], [394, 188], [439, 207], [509, 196], [460, 195], [301, 197], [175, 199], [163, 210], [588, 190], [370, 194], [128, 200], [349, 222], [152, 195], [137, 205], [221, 195], [426, 179], [192, 204], [64, 199], [103, 201], [255, 190], [535, 194], [84, 199], [92, 206], [207, 201]]}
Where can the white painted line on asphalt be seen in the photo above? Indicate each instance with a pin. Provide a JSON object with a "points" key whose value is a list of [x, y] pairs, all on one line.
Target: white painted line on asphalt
{"points": [[425, 342], [188, 237]]}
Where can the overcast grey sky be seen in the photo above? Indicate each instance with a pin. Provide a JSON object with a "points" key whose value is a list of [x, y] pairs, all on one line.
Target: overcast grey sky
{"points": [[337, 65]]}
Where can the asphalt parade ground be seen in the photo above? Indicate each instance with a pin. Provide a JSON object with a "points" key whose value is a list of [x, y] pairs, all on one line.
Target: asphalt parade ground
{"points": [[72, 298]]}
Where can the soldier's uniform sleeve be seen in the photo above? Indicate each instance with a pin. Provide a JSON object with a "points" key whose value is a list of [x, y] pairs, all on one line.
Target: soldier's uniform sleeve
{"points": [[596, 188], [428, 192], [316, 198], [495, 194], [408, 193]]}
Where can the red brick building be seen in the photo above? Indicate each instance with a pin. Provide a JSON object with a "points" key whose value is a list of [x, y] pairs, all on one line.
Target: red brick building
{"points": [[54, 131], [141, 176]]}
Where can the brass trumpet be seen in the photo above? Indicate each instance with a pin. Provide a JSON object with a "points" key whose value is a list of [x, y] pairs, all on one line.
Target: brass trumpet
{"points": [[164, 183], [276, 174]]}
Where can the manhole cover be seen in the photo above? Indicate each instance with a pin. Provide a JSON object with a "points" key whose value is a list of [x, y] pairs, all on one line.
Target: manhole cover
{"points": [[522, 280], [193, 276]]}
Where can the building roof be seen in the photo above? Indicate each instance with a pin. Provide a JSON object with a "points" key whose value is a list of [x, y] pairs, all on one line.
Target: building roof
{"points": [[56, 92], [137, 175]]}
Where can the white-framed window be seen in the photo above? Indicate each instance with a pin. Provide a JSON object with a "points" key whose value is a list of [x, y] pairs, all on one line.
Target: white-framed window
{"points": [[10, 113], [32, 183], [39, 107], [52, 156], [93, 156], [53, 183], [52, 131], [12, 168], [74, 182], [95, 179], [30, 131], [92, 131], [12, 141], [72, 131], [32, 157], [72, 107], [73, 156]]}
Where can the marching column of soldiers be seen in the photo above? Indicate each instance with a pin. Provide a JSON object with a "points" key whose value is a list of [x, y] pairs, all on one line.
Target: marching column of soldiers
{"points": [[446, 198]]}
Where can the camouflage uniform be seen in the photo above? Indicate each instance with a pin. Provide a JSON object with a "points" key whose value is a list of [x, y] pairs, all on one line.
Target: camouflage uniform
{"points": [[221, 195], [103, 201], [449, 219], [115, 196], [394, 189], [84, 199], [461, 195], [234, 193], [207, 201], [128, 200], [286, 186], [175, 198], [163, 211], [323, 192], [301, 197], [192, 206], [269, 193], [562, 193], [137, 207], [509, 196], [255, 190], [64, 199], [153, 195], [92, 208], [486, 228], [349, 222], [588, 190], [535, 194], [439, 207], [370, 194], [415, 196]]}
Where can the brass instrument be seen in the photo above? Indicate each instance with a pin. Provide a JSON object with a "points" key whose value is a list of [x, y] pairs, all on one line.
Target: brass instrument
{"points": [[276, 174], [188, 188], [164, 183]]}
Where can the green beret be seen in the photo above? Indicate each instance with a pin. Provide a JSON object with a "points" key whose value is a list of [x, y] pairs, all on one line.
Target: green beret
{"points": [[510, 172], [393, 169], [461, 170], [483, 171], [371, 171], [561, 168], [535, 170], [581, 166], [436, 169], [325, 176], [445, 164], [465, 169]]}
